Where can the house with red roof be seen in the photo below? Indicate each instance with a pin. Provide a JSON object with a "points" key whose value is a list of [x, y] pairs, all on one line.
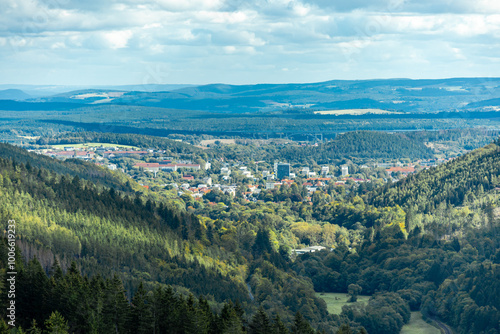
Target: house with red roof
{"points": [[402, 170]]}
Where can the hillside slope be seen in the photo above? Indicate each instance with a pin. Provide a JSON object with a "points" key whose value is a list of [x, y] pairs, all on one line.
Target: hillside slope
{"points": [[394, 94], [107, 231], [361, 144], [72, 167], [455, 183], [442, 255]]}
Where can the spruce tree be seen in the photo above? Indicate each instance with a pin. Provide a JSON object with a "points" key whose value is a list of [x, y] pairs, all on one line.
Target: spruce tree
{"points": [[115, 306], [56, 324], [260, 323], [278, 326], [141, 319], [301, 325]]}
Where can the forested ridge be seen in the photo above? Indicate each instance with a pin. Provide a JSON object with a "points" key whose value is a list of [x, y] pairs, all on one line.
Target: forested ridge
{"points": [[152, 142], [361, 145], [72, 303], [106, 231], [356, 144], [440, 256], [71, 167], [109, 231], [67, 302], [459, 181], [446, 262]]}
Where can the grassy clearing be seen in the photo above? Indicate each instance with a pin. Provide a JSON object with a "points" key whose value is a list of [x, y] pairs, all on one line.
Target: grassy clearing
{"points": [[207, 142], [355, 112], [87, 145], [418, 326], [335, 301]]}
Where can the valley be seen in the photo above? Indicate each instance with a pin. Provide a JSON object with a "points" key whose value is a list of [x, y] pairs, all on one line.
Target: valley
{"points": [[232, 221]]}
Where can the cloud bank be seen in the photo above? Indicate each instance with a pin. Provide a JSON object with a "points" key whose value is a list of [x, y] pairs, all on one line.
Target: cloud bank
{"points": [[236, 41]]}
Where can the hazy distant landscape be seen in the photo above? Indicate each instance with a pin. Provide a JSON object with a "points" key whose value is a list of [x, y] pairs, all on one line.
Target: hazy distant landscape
{"points": [[295, 111], [404, 95]]}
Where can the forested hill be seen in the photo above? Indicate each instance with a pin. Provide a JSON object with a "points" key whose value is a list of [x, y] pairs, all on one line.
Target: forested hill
{"points": [[108, 232], [443, 258], [171, 146], [457, 182], [444, 262], [361, 144], [72, 167], [377, 145]]}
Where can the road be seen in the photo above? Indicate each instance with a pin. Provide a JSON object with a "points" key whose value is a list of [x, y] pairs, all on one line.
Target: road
{"points": [[442, 326]]}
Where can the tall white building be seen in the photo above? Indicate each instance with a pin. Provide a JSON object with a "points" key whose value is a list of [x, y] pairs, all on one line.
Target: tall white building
{"points": [[345, 170]]}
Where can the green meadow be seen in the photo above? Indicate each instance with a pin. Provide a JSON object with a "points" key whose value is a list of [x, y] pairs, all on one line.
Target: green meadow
{"points": [[417, 325], [335, 301], [87, 145]]}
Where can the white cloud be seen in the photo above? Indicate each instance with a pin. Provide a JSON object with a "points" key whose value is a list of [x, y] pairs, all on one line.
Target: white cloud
{"points": [[176, 5], [236, 40], [118, 39]]}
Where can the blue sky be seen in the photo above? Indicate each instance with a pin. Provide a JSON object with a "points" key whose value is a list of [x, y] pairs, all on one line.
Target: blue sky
{"points": [[95, 42]]}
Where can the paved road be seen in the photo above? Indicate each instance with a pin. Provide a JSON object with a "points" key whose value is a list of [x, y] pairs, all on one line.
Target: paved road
{"points": [[442, 326]]}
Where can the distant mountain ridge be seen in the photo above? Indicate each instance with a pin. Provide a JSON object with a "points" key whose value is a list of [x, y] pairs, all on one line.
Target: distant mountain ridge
{"points": [[13, 94], [406, 95]]}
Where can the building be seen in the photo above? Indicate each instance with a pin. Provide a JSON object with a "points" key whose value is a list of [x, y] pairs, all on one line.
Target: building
{"points": [[324, 180], [247, 173], [402, 170], [149, 166], [111, 154], [283, 171], [230, 190], [187, 166], [325, 170], [271, 185], [304, 171], [384, 165], [310, 249], [62, 155], [167, 167], [345, 170]]}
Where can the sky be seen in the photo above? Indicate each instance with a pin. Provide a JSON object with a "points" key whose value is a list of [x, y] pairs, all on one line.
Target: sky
{"points": [[118, 42]]}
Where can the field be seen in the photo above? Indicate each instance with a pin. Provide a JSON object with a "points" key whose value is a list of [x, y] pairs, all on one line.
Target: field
{"points": [[418, 326], [87, 145], [335, 301], [355, 112], [207, 142]]}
